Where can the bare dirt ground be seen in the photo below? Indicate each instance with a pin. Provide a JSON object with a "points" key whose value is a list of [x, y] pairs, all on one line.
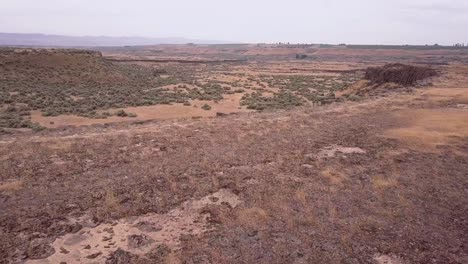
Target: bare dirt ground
{"points": [[379, 180], [230, 104]]}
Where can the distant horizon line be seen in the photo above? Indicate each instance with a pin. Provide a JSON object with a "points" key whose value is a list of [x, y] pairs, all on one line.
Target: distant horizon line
{"points": [[223, 42]]}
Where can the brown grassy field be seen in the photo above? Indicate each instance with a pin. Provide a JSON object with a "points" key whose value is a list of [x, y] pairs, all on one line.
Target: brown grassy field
{"points": [[353, 173]]}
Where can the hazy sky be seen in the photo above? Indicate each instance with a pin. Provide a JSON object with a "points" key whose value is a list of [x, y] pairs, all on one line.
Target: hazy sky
{"points": [[324, 21]]}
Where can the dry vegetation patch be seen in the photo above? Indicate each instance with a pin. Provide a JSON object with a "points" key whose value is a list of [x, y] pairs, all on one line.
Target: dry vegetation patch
{"points": [[11, 186], [63, 85], [84, 83], [334, 184], [432, 128]]}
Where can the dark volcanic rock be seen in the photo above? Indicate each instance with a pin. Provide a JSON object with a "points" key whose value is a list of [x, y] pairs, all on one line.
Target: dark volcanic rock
{"points": [[398, 73]]}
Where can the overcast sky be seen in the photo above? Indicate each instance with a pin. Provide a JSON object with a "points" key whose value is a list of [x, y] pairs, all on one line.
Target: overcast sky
{"points": [[317, 21]]}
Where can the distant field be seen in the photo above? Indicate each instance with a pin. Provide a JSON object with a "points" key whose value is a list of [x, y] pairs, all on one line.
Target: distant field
{"points": [[44, 87], [86, 84]]}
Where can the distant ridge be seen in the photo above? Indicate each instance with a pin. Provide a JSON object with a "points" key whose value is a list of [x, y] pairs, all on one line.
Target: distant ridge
{"points": [[20, 39]]}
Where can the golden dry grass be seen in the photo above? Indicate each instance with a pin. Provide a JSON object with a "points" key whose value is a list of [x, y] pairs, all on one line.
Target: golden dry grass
{"points": [[11, 186], [60, 144], [458, 95], [252, 217], [334, 177], [390, 199], [301, 196], [379, 182], [111, 204], [354, 88], [429, 128]]}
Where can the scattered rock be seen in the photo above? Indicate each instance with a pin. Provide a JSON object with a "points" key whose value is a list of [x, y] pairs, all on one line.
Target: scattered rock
{"points": [[159, 254], [147, 226], [93, 256], [39, 249], [64, 227], [330, 151], [398, 73], [109, 230], [387, 259], [462, 106], [74, 239], [142, 233], [64, 250], [214, 199], [137, 241], [121, 257]]}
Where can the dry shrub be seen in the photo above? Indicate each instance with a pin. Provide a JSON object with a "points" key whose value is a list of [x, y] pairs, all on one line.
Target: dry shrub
{"points": [[110, 206], [111, 200], [398, 73], [333, 176], [252, 217], [301, 196], [380, 182]]}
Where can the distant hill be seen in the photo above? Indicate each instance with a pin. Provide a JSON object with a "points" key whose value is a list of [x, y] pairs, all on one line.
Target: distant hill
{"points": [[19, 39]]}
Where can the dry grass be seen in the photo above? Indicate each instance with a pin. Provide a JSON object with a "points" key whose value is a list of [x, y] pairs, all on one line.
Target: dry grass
{"points": [[354, 88], [110, 205], [60, 145], [381, 183], [334, 177], [429, 128], [457, 95], [111, 200], [343, 208], [253, 217], [11, 186]]}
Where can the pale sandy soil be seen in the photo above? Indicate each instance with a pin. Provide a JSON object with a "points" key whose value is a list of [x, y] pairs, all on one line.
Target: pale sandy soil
{"points": [[156, 112], [137, 234]]}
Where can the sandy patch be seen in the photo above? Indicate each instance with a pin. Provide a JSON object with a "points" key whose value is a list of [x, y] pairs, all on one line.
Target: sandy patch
{"points": [[331, 151], [230, 104], [137, 235], [387, 259], [69, 120]]}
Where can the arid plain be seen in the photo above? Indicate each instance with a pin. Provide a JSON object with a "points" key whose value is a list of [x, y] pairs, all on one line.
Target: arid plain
{"points": [[232, 154]]}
